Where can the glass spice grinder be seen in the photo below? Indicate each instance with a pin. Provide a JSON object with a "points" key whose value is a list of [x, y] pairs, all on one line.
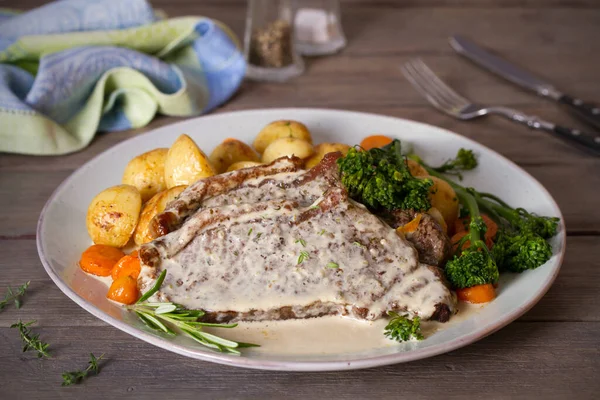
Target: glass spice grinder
{"points": [[269, 46]]}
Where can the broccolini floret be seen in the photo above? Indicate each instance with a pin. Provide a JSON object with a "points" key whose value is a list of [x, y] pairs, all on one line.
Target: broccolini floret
{"points": [[380, 179], [401, 328], [473, 265], [465, 160]]}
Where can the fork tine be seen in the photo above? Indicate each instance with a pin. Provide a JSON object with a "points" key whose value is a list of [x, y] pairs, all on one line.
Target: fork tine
{"points": [[421, 85], [430, 75], [434, 89]]}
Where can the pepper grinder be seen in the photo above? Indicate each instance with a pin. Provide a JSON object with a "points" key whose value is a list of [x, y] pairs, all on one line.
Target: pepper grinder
{"points": [[269, 45], [318, 27]]}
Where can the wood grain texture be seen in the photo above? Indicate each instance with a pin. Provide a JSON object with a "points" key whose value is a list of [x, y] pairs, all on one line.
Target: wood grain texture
{"points": [[552, 352]]}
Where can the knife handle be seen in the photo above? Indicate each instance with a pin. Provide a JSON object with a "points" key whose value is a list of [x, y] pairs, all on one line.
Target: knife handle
{"points": [[590, 113], [588, 141]]}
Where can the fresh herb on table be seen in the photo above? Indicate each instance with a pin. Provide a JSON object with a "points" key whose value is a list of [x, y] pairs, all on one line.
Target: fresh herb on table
{"points": [[164, 317], [332, 265], [14, 295], [401, 328], [31, 341], [75, 377], [303, 256]]}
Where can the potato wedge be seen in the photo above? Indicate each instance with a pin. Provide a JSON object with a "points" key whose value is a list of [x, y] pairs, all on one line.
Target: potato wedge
{"points": [[323, 148], [443, 197], [230, 152], [147, 173], [281, 129], [113, 215], [287, 147], [186, 163], [154, 206], [416, 169], [242, 164]]}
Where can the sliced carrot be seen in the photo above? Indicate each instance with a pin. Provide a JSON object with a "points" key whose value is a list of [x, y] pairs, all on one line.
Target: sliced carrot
{"points": [[124, 290], [128, 265], [462, 226], [456, 238], [99, 259], [411, 226], [373, 141], [477, 294]]}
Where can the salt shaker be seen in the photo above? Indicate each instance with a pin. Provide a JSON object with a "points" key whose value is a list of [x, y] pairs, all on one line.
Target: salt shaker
{"points": [[269, 41], [318, 27]]}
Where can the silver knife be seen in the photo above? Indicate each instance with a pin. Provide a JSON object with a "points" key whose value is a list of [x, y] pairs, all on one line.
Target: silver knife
{"points": [[588, 112]]}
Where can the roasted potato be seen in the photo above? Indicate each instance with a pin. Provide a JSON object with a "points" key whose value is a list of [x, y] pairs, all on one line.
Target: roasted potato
{"points": [[443, 197], [113, 215], [281, 129], [242, 164], [186, 163], [147, 173], [229, 152], [416, 169], [153, 207], [323, 148], [287, 147]]}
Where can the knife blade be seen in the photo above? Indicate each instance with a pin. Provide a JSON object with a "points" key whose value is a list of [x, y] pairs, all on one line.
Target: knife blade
{"points": [[588, 112]]}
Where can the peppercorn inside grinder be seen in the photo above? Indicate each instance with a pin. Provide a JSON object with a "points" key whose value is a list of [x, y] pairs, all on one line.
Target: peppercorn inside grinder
{"points": [[269, 41]]}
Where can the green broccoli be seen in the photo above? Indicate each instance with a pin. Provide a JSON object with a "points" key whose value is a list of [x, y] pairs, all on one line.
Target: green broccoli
{"points": [[401, 328], [521, 240], [465, 160], [380, 179], [475, 264]]}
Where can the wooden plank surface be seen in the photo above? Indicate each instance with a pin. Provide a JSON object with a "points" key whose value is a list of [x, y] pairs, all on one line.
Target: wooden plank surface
{"points": [[550, 353]]}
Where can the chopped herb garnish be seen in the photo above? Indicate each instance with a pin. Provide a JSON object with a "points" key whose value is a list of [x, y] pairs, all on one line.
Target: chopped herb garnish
{"points": [[236, 253], [75, 377], [31, 341], [250, 232], [303, 256], [301, 241], [14, 295], [359, 244], [258, 235], [313, 207], [332, 265], [322, 232]]}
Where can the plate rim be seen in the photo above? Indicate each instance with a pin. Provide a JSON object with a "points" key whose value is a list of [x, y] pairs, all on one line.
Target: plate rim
{"points": [[289, 365]]}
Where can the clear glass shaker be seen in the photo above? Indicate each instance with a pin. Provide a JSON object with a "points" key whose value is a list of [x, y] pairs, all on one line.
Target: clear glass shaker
{"points": [[318, 27], [269, 45]]}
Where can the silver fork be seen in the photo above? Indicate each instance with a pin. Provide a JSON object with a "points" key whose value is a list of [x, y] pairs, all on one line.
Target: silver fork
{"points": [[445, 99]]}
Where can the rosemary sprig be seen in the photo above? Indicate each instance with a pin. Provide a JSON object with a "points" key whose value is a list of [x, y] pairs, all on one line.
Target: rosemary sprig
{"points": [[31, 341], [14, 295], [75, 377], [171, 318]]}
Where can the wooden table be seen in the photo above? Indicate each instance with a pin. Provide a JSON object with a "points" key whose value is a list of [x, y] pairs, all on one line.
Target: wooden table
{"points": [[551, 353]]}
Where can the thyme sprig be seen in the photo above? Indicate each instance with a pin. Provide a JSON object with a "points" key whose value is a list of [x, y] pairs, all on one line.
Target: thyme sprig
{"points": [[14, 295], [75, 377], [31, 341], [172, 318]]}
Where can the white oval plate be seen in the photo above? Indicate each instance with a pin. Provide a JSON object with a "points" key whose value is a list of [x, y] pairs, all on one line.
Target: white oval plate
{"points": [[62, 236]]}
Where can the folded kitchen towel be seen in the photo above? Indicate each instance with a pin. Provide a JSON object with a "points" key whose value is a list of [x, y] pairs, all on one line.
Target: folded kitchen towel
{"points": [[75, 67]]}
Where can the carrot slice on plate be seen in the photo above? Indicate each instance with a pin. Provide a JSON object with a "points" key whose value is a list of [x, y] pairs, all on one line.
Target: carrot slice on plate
{"points": [[477, 294], [99, 259], [373, 141], [124, 290], [128, 265]]}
